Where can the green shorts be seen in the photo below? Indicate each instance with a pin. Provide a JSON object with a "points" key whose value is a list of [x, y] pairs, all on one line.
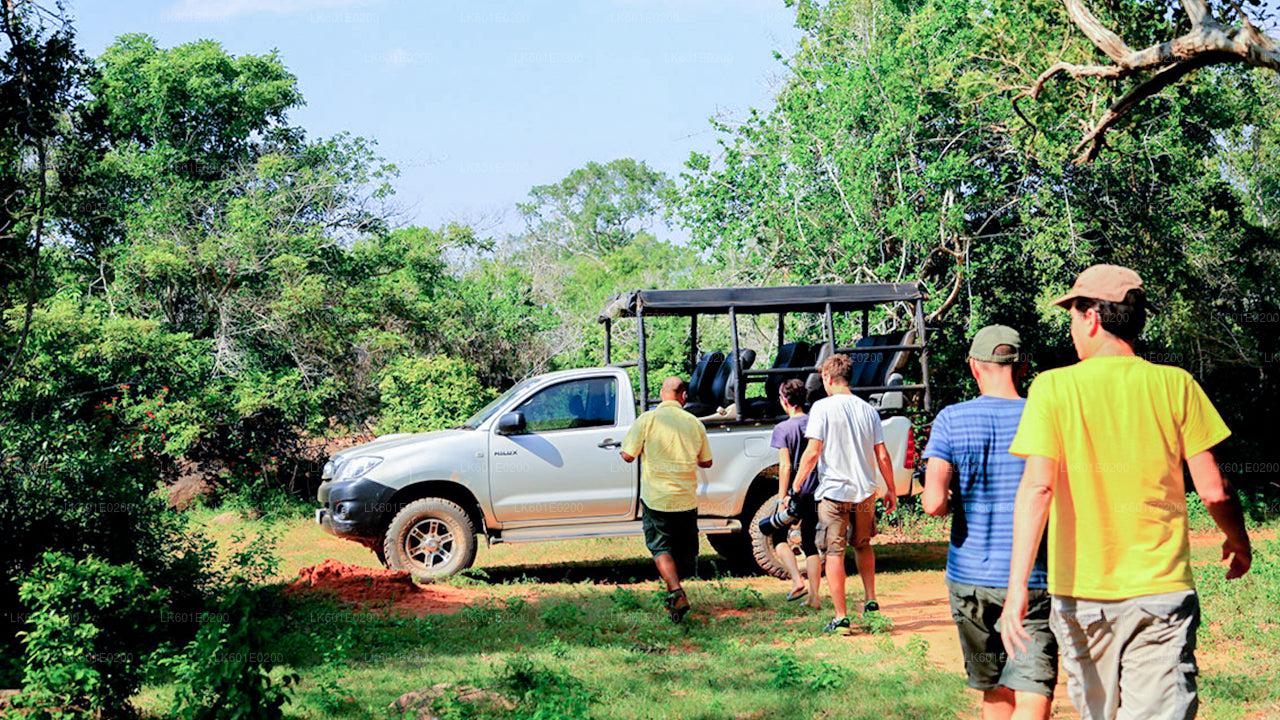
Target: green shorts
{"points": [[977, 610], [674, 534]]}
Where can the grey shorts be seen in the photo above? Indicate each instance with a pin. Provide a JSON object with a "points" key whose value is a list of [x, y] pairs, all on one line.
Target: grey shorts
{"points": [[1130, 658], [977, 610]]}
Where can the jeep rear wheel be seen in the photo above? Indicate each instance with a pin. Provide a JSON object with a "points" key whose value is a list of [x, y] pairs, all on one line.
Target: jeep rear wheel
{"points": [[431, 538], [762, 547]]}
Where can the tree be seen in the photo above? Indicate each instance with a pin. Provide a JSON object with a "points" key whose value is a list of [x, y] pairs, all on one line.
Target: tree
{"points": [[1207, 42], [40, 76], [586, 240], [874, 166], [596, 208]]}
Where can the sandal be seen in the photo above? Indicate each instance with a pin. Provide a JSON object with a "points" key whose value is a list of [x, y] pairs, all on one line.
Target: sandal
{"points": [[678, 605], [797, 594]]}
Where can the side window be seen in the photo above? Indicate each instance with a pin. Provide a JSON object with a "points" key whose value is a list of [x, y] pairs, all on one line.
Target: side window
{"points": [[577, 404]]}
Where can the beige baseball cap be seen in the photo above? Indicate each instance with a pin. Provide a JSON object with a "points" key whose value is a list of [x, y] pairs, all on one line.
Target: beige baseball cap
{"points": [[991, 337], [1102, 282]]}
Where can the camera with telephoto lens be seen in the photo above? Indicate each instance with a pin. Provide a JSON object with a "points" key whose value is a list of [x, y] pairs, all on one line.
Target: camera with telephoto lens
{"points": [[782, 517]]}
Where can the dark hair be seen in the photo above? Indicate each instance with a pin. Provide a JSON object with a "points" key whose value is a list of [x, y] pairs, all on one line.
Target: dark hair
{"points": [[1123, 319], [795, 392], [837, 367]]}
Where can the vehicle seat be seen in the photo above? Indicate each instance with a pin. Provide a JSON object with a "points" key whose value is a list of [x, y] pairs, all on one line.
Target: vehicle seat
{"points": [[790, 355], [726, 381], [701, 400], [814, 382], [876, 370]]}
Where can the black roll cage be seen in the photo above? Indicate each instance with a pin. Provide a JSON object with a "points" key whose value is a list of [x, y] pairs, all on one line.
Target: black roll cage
{"points": [[824, 299]]}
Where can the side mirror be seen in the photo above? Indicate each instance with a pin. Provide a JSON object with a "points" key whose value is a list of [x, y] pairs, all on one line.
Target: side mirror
{"points": [[511, 423]]}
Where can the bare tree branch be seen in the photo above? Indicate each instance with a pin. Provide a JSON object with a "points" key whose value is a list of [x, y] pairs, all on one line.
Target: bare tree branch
{"points": [[1209, 42]]}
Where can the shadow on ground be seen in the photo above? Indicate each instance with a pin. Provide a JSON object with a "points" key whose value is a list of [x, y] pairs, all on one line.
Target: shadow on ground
{"points": [[604, 571], [890, 558]]}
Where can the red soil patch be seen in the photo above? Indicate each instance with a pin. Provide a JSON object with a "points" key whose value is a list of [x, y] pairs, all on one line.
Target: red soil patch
{"points": [[378, 588]]}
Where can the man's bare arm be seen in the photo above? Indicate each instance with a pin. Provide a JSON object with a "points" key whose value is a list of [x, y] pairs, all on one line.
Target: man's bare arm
{"points": [[1225, 509], [886, 469], [1030, 514], [784, 471], [937, 483], [808, 461]]}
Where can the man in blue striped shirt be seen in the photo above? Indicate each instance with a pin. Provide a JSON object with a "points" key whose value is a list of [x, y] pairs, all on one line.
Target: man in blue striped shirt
{"points": [[972, 476]]}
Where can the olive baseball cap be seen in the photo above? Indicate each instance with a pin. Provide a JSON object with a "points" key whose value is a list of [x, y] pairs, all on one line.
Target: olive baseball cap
{"points": [[991, 337], [1102, 282]]}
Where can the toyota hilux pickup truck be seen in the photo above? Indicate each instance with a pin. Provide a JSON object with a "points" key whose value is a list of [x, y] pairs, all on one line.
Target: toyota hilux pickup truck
{"points": [[541, 461]]}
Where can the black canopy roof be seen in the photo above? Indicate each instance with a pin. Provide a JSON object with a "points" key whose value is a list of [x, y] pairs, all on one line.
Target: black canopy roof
{"points": [[756, 301]]}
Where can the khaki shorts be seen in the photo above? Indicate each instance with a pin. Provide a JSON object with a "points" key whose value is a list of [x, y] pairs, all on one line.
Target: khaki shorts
{"points": [[835, 519], [1136, 656]]}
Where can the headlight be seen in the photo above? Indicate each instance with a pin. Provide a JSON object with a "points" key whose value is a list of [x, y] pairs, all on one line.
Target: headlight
{"points": [[327, 472], [358, 467]]}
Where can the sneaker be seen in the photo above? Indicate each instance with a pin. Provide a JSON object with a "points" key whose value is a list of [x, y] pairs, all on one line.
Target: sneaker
{"points": [[678, 605], [840, 623], [871, 606]]}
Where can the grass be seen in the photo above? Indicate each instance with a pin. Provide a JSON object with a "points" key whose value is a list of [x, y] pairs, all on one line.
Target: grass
{"points": [[576, 629], [1241, 622]]}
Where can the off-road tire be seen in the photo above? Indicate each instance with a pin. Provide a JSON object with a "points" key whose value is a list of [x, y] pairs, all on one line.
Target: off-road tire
{"points": [[762, 550], [431, 538]]}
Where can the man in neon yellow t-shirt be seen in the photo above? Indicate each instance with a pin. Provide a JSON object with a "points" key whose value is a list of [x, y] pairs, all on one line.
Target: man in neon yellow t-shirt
{"points": [[1105, 440]]}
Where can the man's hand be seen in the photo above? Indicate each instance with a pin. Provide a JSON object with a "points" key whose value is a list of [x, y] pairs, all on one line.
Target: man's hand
{"points": [[1241, 556], [890, 501], [1014, 636], [1225, 510]]}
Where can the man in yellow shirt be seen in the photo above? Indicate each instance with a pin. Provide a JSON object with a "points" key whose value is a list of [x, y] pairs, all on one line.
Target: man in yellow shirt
{"points": [[1104, 441], [674, 445]]}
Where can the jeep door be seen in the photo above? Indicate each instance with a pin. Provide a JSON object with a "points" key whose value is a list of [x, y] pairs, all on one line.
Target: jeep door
{"points": [[567, 464]]}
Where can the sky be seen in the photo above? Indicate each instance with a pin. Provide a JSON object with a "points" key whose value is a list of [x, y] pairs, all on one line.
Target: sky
{"points": [[477, 102]]}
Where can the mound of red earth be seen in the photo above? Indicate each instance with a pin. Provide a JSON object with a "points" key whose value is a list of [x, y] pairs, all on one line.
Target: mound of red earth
{"points": [[379, 589]]}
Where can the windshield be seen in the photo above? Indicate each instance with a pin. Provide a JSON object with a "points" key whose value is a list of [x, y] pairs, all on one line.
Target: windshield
{"points": [[488, 410]]}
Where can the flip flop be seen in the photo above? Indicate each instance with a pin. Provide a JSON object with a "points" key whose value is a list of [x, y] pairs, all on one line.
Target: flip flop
{"points": [[796, 594]]}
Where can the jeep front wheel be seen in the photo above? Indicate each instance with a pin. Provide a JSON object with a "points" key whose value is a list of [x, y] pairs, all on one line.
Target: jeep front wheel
{"points": [[431, 538]]}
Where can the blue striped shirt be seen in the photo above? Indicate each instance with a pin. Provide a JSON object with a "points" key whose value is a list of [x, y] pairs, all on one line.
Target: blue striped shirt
{"points": [[974, 436]]}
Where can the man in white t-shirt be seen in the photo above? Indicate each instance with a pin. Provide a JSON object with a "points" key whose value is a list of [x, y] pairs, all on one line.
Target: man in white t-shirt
{"points": [[846, 443]]}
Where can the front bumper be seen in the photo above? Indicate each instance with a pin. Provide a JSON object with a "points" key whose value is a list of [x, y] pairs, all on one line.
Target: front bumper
{"points": [[355, 508]]}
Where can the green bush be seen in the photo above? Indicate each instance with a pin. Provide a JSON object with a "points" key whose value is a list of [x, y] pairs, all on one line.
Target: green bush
{"points": [[225, 672], [84, 503], [428, 393], [545, 693], [93, 625]]}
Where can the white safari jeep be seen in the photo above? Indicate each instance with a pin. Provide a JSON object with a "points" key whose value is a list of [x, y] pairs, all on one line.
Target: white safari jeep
{"points": [[541, 461]]}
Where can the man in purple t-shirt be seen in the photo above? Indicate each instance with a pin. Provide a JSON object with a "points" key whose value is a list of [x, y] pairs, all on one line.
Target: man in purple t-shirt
{"points": [[789, 439]]}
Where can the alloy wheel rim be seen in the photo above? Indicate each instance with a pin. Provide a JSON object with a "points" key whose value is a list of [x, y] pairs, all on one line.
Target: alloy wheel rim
{"points": [[429, 543]]}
